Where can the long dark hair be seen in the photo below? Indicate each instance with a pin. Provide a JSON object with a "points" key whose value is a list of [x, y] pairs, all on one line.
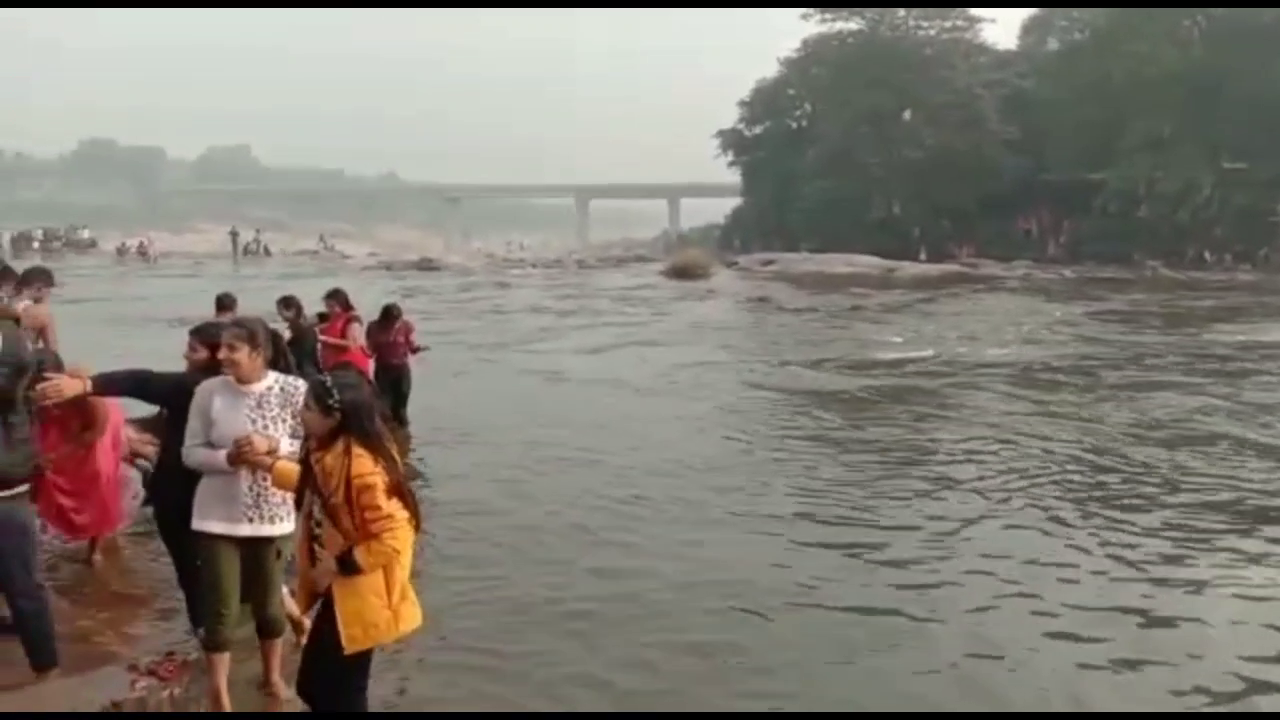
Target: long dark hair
{"points": [[208, 335], [339, 297], [297, 315], [255, 333], [349, 396]]}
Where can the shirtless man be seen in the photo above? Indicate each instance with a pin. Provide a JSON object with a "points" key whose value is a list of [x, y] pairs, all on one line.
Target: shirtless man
{"points": [[225, 306], [31, 299]]}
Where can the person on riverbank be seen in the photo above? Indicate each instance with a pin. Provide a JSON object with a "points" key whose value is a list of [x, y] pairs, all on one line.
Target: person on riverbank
{"points": [[173, 485], [356, 546], [240, 519], [82, 451], [390, 340], [303, 340], [342, 334], [31, 298], [234, 235], [20, 583], [225, 306]]}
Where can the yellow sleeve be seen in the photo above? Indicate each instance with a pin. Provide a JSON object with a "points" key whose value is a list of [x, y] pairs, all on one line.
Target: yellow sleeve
{"points": [[285, 475], [386, 532]]}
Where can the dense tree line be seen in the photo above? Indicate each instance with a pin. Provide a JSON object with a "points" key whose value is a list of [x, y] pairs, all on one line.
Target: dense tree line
{"points": [[1107, 134]]}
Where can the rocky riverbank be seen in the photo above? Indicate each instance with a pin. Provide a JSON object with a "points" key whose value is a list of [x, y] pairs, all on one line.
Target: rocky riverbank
{"points": [[872, 271]]}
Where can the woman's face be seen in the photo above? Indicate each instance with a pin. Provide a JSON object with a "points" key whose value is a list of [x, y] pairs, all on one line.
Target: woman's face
{"points": [[196, 355], [314, 422], [285, 313], [239, 360], [332, 307]]}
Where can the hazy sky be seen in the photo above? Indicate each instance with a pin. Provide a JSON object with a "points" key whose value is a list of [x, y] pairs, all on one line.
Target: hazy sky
{"points": [[448, 94]]}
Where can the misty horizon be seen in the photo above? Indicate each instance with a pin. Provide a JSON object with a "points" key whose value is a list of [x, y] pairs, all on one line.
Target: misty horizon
{"points": [[559, 95]]}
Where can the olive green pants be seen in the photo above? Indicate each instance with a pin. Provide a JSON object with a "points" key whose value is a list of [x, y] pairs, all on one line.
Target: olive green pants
{"points": [[236, 570]]}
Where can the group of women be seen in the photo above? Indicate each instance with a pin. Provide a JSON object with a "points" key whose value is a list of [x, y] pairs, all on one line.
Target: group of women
{"points": [[268, 442]]}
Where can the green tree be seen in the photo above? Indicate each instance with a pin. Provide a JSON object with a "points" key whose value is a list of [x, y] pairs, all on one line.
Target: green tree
{"points": [[880, 134]]}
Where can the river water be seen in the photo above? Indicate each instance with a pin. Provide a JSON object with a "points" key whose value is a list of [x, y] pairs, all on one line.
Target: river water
{"points": [[746, 496]]}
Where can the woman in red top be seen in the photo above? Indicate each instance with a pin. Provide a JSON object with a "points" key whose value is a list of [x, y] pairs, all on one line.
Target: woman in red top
{"points": [[390, 339], [342, 334]]}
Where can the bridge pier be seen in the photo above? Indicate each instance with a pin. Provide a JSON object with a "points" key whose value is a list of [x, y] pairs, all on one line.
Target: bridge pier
{"points": [[582, 210], [673, 218], [453, 229]]}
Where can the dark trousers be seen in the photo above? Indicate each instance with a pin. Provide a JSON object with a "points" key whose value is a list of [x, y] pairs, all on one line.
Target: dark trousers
{"points": [[394, 382], [21, 586], [172, 511], [328, 679]]}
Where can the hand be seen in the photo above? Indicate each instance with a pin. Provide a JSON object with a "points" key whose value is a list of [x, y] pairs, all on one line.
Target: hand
{"points": [[260, 462], [253, 445], [323, 569], [58, 388]]}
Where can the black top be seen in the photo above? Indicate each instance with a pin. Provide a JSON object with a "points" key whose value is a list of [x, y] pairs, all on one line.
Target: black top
{"points": [[172, 392], [304, 345]]}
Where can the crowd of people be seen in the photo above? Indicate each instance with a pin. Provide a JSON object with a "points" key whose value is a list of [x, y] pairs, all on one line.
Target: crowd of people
{"points": [[270, 451]]}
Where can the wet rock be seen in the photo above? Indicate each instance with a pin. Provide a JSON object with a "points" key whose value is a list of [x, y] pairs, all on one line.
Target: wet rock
{"points": [[689, 264], [421, 264]]}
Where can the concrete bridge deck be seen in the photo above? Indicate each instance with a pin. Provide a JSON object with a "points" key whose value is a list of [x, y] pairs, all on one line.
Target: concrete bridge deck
{"points": [[455, 193], [590, 191]]}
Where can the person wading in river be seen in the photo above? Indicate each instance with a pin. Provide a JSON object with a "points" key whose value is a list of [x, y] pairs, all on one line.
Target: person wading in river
{"points": [[225, 306], [342, 334], [303, 340], [241, 521], [31, 299], [357, 542], [390, 339]]}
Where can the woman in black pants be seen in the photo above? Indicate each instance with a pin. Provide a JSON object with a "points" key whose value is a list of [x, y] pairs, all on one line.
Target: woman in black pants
{"points": [[173, 485]]}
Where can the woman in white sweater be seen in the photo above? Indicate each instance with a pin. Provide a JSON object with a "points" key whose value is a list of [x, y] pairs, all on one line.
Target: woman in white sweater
{"points": [[241, 521]]}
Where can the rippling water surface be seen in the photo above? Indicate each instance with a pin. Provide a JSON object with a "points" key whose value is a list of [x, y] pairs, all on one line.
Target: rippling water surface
{"points": [[742, 496]]}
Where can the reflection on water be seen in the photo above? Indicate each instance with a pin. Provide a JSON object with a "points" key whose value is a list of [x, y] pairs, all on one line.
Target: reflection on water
{"points": [[744, 496]]}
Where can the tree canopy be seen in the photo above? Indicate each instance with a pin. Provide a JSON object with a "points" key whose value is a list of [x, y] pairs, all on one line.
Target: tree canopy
{"points": [[1108, 133]]}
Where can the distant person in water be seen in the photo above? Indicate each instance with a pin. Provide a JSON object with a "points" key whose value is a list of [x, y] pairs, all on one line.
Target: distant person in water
{"points": [[390, 339], [225, 306], [234, 234]]}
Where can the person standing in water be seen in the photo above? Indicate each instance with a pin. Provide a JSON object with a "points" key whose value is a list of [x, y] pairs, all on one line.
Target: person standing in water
{"points": [[234, 235], [31, 299], [303, 340], [241, 521], [356, 547], [225, 306], [390, 339], [82, 448], [342, 335]]}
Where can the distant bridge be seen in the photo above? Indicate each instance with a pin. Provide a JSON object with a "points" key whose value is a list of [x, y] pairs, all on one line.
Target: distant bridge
{"points": [[454, 193]]}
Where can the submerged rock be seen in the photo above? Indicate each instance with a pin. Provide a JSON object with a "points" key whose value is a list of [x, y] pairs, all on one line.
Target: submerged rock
{"points": [[689, 264]]}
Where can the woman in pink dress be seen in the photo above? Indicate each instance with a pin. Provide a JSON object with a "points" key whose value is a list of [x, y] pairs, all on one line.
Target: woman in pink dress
{"points": [[82, 448]]}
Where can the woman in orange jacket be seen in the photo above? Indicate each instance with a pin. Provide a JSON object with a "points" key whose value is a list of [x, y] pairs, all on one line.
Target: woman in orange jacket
{"points": [[359, 520]]}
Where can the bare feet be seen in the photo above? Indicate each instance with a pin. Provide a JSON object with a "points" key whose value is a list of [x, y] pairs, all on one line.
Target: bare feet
{"points": [[219, 701], [276, 688]]}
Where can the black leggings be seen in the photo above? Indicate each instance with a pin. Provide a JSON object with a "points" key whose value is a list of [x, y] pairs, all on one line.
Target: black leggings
{"points": [[172, 513], [329, 680], [394, 382]]}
